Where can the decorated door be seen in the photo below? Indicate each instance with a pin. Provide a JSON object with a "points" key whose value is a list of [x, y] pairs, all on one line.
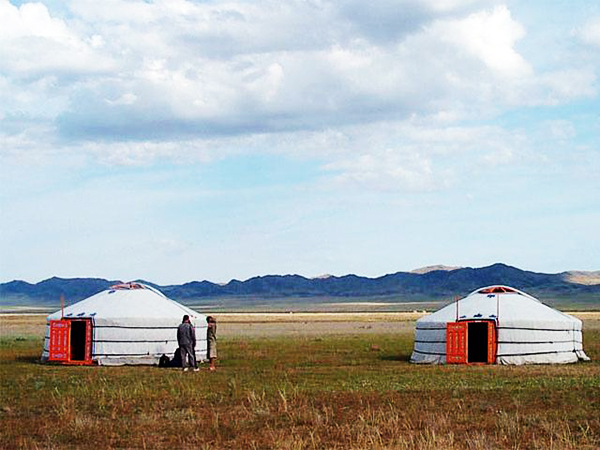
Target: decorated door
{"points": [[88, 342], [456, 342], [60, 340], [70, 341], [492, 343]]}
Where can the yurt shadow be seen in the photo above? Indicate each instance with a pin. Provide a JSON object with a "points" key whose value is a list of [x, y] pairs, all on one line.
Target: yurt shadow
{"points": [[404, 357], [29, 359]]}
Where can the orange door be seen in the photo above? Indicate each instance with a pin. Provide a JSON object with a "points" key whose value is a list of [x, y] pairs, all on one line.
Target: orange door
{"points": [[456, 343], [492, 343], [88, 342], [59, 346]]}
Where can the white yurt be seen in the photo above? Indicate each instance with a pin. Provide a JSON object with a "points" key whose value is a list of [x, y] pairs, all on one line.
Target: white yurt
{"points": [[129, 323], [498, 325]]}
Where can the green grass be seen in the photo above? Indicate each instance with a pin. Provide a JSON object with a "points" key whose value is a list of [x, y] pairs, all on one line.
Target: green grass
{"points": [[294, 393]]}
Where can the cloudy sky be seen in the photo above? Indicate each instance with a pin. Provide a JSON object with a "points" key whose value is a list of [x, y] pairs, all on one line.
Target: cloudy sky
{"points": [[177, 140]]}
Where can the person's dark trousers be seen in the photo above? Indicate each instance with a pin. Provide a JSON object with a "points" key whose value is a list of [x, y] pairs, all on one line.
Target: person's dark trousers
{"points": [[187, 350]]}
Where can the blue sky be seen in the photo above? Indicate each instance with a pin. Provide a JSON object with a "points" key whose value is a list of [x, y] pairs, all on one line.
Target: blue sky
{"points": [[177, 140]]}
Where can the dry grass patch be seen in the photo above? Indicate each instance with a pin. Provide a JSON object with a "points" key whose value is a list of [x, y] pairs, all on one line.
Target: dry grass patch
{"points": [[319, 317]]}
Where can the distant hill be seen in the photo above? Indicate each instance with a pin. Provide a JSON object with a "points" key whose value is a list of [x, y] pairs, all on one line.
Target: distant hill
{"points": [[428, 269], [50, 290], [581, 277], [434, 284]]}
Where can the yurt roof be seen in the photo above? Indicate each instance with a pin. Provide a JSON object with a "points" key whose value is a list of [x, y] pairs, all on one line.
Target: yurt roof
{"points": [[501, 289], [127, 300], [498, 302]]}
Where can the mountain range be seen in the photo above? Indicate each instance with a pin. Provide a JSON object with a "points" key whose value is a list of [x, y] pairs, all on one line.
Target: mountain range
{"points": [[431, 283]]}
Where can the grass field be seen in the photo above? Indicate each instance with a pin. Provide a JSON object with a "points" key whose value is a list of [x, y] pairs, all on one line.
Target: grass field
{"points": [[341, 387]]}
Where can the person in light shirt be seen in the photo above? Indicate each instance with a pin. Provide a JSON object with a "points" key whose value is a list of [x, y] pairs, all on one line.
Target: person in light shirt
{"points": [[211, 339]]}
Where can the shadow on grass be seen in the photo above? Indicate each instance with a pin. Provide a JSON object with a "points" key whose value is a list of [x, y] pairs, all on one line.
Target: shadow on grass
{"points": [[403, 357], [28, 359]]}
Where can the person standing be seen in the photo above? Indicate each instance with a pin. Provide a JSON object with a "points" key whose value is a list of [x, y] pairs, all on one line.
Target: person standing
{"points": [[186, 338], [211, 339]]}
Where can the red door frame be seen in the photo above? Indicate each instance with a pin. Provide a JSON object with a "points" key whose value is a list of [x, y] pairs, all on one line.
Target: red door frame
{"points": [[457, 342], [59, 347], [492, 341]]}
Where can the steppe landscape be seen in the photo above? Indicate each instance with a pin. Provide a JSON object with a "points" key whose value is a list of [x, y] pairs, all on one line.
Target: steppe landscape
{"points": [[317, 175], [298, 381]]}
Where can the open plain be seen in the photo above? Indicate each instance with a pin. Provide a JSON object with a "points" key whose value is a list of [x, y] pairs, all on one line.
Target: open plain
{"points": [[298, 381]]}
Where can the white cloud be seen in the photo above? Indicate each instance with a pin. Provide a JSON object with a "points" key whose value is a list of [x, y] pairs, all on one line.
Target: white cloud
{"points": [[560, 129], [377, 93], [235, 68], [125, 99], [590, 32], [34, 43], [489, 36], [134, 153], [498, 157], [387, 170], [32, 20], [567, 84], [27, 145]]}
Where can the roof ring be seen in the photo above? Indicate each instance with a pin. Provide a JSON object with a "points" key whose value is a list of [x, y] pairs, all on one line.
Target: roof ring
{"points": [[128, 286], [496, 290]]}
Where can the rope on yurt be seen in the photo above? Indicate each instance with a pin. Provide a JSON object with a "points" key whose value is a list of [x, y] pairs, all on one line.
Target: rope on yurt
{"points": [[573, 333], [497, 324], [456, 301], [497, 306]]}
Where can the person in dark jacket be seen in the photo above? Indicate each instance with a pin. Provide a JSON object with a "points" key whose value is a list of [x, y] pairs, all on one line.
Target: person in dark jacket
{"points": [[186, 338], [211, 340]]}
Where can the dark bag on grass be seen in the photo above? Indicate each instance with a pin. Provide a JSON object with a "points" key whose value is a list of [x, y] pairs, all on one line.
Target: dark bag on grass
{"points": [[164, 361], [176, 361]]}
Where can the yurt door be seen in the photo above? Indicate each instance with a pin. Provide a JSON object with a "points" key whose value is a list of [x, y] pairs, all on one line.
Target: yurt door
{"points": [[456, 343], [81, 341], [60, 339], [478, 342], [71, 341], [471, 342]]}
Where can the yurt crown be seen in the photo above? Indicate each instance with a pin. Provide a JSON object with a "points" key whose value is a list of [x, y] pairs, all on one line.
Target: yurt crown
{"points": [[128, 286], [497, 290]]}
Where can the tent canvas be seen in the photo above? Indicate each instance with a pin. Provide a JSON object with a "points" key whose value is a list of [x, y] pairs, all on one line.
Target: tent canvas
{"points": [[127, 324], [525, 331]]}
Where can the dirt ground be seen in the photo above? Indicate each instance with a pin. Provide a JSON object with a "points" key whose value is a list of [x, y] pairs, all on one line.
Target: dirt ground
{"points": [[316, 328], [278, 324], [314, 324]]}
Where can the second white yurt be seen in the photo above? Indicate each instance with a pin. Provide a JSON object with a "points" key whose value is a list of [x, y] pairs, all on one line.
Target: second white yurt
{"points": [[498, 325], [129, 323]]}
